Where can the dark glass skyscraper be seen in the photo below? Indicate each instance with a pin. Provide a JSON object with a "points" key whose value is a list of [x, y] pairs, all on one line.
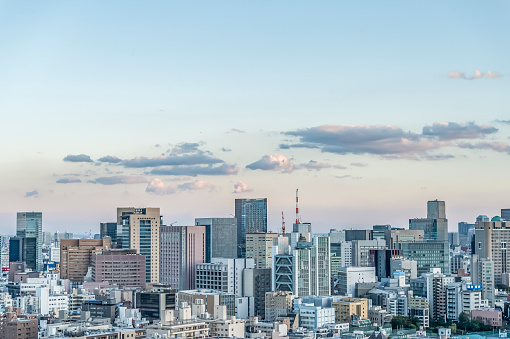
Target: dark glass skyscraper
{"points": [[29, 227], [108, 229], [251, 215]]}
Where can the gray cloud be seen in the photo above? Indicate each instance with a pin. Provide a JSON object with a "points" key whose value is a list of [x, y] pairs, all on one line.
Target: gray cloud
{"points": [[237, 130], [379, 140], [224, 169], [195, 185], [34, 194], [119, 179], [314, 165], [110, 159], [226, 149], [186, 147], [77, 158], [502, 147], [504, 122], [288, 146], [453, 130], [172, 160], [358, 164], [68, 180], [273, 162]]}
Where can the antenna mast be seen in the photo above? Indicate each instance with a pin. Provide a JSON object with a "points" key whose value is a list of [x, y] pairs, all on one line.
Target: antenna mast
{"points": [[297, 208], [283, 224]]}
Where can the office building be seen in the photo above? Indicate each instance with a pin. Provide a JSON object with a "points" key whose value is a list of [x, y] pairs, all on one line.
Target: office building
{"points": [[223, 274], [140, 231], [256, 283], [15, 249], [380, 259], [422, 314], [312, 317], [153, 304], [212, 298], [108, 229], [435, 226], [379, 231], [492, 241], [124, 268], [483, 274], [302, 267], [348, 277], [76, 256], [258, 247], [395, 235], [361, 250], [466, 232], [505, 214], [220, 237], [278, 303], [429, 254], [251, 216], [29, 228], [181, 249], [15, 326], [409, 267], [358, 235], [454, 239]]}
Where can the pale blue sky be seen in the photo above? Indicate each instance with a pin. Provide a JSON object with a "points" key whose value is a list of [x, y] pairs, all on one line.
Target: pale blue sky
{"points": [[118, 77]]}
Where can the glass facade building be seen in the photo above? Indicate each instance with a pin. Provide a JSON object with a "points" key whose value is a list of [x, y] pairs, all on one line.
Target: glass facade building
{"points": [[29, 227], [251, 215]]}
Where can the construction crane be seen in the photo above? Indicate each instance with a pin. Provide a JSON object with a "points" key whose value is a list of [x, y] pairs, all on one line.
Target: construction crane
{"points": [[283, 225], [297, 208]]}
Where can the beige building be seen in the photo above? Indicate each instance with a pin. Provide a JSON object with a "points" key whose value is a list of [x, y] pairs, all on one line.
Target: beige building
{"points": [[76, 256], [278, 303], [350, 306], [14, 326], [258, 247], [140, 232]]}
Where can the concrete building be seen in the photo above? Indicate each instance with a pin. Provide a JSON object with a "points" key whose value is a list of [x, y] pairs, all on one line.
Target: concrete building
{"points": [[454, 239], [379, 316], [409, 267], [124, 268], [182, 248], [258, 247], [278, 303], [29, 228], [183, 327], [155, 303], [223, 274], [14, 326], [312, 317], [422, 313], [492, 239], [482, 273], [488, 316], [505, 214], [220, 237], [251, 216], [435, 226], [240, 307], [361, 251], [350, 306], [256, 283], [76, 256], [349, 276], [395, 235], [352, 234], [428, 255], [139, 230], [466, 232]]}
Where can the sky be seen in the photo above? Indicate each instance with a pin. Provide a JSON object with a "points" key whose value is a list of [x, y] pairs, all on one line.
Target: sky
{"points": [[370, 108]]}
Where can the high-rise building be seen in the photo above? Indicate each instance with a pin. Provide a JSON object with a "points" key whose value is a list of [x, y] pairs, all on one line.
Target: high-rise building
{"points": [[435, 226], [76, 256], [256, 283], [492, 241], [15, 249], [181, 249], [29, 227], [108, 229], [483, 275], [251, 216], [47, 238], [466, 232], [302, 267], [140, 231], [220, 237], [124, 268], [402, 235], [428, 254], [358, 235], [155, 303], [348, 277], [258, 247], [378, 231], [505, 214], [4, 254]]}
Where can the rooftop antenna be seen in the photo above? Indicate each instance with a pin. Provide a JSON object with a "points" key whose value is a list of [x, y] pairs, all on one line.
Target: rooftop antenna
{"points": [[297, 208], [283, 224], [172, 223]]}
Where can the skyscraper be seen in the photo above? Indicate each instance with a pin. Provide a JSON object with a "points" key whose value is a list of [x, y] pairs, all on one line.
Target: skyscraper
{"points": [[505, 214], [251, 215], [108, 229], [258, 247], [220, 237], [29, 227], [435, 226], [140, 231], [181, 249]]}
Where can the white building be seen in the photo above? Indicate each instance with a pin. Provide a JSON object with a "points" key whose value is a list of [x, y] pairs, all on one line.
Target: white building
{"points": [[348, 277], [223, 274], [312, 317]]}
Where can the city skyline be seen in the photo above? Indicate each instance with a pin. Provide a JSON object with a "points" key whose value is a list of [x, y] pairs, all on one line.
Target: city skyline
{"points": [[369, 110]]}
